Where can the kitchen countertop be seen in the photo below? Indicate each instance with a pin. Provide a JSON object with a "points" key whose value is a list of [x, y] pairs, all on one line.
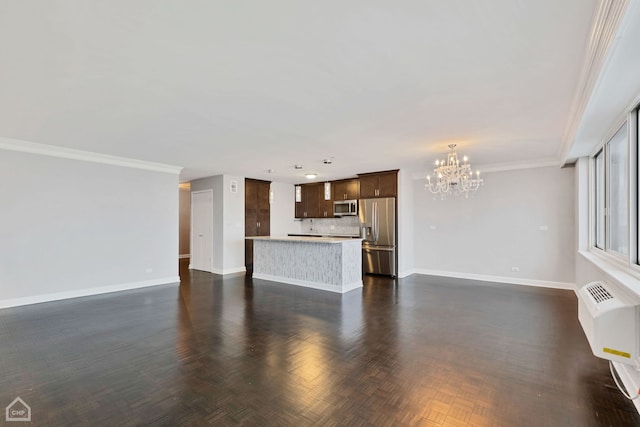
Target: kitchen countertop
{"points": [[304, 238], [351, 236]]}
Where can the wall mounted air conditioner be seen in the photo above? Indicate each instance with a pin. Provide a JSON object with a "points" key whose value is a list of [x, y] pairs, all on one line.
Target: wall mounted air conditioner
{"points": [[610, 322]]}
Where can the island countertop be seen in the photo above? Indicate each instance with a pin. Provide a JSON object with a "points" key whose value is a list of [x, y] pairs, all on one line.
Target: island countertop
{"points": [[306, 239], [355, 236]]}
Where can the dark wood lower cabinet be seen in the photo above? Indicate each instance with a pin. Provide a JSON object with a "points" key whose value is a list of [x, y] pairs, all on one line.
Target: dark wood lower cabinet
{"points": [[248, 254]]}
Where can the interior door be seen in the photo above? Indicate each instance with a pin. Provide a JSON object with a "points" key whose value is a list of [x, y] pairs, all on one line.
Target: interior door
{"points": [[202, 230]]}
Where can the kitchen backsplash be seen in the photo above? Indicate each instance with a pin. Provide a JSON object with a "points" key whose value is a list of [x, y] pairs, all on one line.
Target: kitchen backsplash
{"points": [[343, 225]]}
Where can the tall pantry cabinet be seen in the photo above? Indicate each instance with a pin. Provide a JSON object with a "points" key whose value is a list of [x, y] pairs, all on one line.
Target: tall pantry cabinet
{"points": [[256, 215]]}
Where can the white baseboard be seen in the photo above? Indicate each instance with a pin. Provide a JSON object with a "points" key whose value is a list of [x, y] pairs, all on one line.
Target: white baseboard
{"points": [[222, 272], [184, 256], [229, 270], [625, 372], [499, 279], [315, 285], [78, 293], [403, 274]]}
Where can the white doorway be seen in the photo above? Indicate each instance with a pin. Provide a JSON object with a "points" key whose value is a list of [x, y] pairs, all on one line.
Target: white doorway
{"points": [[202, 230]]}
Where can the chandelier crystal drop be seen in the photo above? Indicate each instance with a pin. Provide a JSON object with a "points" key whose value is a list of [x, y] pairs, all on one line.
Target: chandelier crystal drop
{"points": [[452, 177]]}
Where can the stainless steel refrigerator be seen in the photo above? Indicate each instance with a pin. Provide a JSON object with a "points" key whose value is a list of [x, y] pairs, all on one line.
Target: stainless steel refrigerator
{"points": [[378, 231]]}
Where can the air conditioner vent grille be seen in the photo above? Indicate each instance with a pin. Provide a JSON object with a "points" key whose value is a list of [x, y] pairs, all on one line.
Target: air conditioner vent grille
{"points": [[599, 292]]}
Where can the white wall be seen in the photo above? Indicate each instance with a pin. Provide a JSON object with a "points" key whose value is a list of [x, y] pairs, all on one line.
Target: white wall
{"points": [[282, 212], [406, 226], [233, 225], [71, 228], [498, 228], [228, 222]]}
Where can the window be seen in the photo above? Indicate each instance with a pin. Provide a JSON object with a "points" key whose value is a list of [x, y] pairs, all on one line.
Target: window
{"points": [[618, 190], [611, 195]]}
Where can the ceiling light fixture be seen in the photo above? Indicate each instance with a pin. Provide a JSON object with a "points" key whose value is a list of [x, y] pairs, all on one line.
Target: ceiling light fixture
{"points": [[310, 175], [454, 178]]}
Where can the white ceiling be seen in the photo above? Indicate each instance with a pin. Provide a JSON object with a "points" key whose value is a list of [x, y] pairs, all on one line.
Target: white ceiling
{"points": [[240, 87]]}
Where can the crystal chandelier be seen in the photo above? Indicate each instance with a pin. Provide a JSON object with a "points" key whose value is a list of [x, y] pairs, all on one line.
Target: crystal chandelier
{"points": [[453, 178]]}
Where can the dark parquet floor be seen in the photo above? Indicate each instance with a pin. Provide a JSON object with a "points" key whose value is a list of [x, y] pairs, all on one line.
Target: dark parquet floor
{"points": [[232, 351]]}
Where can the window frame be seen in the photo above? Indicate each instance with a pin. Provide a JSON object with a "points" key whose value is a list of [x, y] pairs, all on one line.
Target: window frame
{"points": [[630, 121], [595, 223]]}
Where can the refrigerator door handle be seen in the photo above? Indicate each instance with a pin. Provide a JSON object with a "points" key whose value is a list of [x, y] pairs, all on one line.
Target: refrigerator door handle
{"points": [[376, 224], [378, 248], [377, 221], [373, 221]]}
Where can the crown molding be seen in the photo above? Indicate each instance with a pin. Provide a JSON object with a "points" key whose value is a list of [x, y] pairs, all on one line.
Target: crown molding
{"points": [[85, 156], [527, 164], [607, 19], [509, 166]]}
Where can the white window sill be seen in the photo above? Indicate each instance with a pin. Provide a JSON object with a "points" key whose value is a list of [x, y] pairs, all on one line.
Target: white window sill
{"points": [[623, 274]]}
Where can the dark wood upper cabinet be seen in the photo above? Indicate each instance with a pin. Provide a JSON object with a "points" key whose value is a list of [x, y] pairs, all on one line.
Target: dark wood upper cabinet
{"points": [[313, 200], [313, 205], [309, 204], [325, 206], [257, 216], [346, 189], [379, 184]]}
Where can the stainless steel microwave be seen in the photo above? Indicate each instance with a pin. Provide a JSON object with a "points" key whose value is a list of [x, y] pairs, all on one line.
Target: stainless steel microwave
{"points": [[345, 207]]}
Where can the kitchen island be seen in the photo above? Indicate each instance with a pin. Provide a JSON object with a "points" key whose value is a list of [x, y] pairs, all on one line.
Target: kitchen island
{"points": [[328, 263]]}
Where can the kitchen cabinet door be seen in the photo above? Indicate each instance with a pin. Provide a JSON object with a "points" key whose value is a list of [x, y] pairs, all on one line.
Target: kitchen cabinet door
{"points": [[339, 190], [250, 208], [264, 208], [312, 193], [379, 184], [326, 207], [353, 189], [309, 204], [368, 186], [388, 184], [346, 189]]}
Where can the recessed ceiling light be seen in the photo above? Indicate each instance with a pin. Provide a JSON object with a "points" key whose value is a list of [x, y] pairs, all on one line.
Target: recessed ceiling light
{"points": [[311, 175]]}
